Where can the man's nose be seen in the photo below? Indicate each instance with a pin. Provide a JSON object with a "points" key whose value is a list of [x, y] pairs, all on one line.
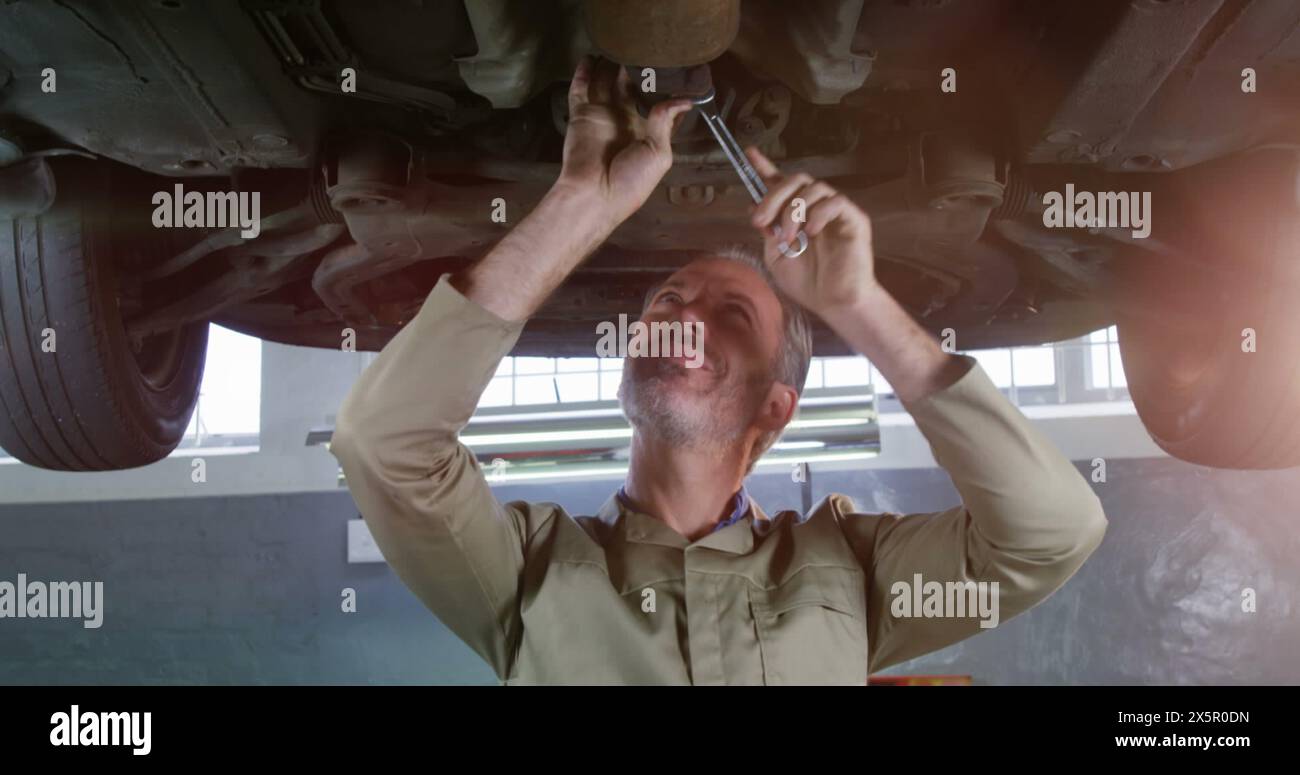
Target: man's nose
{"points": [[696, 311]]}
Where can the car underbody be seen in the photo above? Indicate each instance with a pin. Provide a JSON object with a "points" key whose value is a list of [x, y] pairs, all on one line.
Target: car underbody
{"points": [[946, 121]]}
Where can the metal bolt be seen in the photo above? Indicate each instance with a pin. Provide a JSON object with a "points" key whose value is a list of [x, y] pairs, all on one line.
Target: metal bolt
{"points": [[270, 142], [1063, 136]]}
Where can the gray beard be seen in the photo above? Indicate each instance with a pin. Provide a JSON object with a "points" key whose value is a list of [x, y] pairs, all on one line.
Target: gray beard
{"points": [[685, 420]]}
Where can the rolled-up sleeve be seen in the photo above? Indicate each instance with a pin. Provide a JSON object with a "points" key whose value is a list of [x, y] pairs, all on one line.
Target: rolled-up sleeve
{"points": [[421, 491], [1028, 520]]}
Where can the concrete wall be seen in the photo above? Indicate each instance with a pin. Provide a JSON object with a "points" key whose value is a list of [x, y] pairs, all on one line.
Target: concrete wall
{"points": [[247, 589]]}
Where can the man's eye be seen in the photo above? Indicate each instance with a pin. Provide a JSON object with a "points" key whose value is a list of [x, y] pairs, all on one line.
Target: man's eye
{"points": [[670, 296], [740, 310]]}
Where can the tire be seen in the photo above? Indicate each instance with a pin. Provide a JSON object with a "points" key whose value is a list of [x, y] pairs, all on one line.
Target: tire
{"points": [[93, 403], [1203, 395]]}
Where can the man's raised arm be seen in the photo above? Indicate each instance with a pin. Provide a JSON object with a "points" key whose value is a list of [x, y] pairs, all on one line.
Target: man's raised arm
{"points": [[1028, 519]]}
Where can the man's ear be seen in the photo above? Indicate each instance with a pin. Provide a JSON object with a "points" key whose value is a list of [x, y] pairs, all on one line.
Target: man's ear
{"points": [[779, 407]]}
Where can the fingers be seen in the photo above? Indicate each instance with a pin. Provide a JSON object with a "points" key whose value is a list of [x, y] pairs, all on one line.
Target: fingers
{"points": [[604, 81], [825, 213], [581, 83], [594, 81], [779, 191], [795, 202], [795, 212], [762, 164], [599, 81], [623, 93], [662, 119], [765, 211]]}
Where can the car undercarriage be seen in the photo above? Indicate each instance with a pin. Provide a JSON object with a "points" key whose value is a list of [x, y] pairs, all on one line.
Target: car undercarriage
{"points": [[392, 142]]}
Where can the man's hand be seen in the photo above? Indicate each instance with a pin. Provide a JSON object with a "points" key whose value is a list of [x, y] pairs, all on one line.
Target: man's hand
{"points": [[610, 151], [837, 270], [613, 159], [835, 278]]}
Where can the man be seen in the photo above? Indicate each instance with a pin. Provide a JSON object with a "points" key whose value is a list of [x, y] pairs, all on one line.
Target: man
{"points": [[680, 578]]}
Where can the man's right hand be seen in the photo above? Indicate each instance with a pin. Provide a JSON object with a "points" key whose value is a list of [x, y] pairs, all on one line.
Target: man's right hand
{"points": [[611, 153], [613, 159]]}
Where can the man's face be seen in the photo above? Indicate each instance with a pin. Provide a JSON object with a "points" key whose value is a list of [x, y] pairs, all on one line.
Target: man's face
{"points": [[718, 402]]}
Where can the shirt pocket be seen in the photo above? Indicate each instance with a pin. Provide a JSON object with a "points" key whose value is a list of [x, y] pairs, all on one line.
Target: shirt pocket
{"points": [[812, 628]]}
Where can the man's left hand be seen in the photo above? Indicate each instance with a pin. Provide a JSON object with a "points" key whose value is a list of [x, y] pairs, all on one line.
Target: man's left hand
{"points": [[837, 271]]}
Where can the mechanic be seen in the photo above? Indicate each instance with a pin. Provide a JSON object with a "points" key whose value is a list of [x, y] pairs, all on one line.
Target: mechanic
{"points": [[681, 577]]}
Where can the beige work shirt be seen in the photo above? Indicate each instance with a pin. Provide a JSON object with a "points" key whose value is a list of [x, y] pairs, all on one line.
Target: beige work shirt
{"points": [[548, 597]]}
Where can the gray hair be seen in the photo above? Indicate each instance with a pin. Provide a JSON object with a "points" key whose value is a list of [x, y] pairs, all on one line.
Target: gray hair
{"points": [[794, 355]]}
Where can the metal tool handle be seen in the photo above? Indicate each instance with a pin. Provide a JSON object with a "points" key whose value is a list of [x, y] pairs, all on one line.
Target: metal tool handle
{"points": [[749, 176]]}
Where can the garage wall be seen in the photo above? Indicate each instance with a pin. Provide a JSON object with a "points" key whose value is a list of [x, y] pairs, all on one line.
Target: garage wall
{"points": [[247, 589], [302, 388]]}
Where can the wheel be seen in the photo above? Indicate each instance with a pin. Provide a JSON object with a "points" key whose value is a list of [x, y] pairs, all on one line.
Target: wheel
{"points": [[1201, 392], [75, 395]]}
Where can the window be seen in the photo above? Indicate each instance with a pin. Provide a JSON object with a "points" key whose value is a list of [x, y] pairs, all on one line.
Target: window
{"points": [[845, 371], [228, 413], [1105, 371], [531, 381], [1034, 366], [525, 381]]}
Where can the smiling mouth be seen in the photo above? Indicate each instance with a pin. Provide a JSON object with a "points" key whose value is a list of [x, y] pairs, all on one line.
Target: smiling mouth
{"points": [[681, 361]]}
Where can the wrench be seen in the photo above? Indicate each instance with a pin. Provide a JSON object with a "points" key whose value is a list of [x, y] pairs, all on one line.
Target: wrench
{"points": [[749, 176]]}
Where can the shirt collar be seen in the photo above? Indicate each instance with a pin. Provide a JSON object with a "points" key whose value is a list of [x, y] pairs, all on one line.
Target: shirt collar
{"points": [[739, 506], [631, 526]]}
